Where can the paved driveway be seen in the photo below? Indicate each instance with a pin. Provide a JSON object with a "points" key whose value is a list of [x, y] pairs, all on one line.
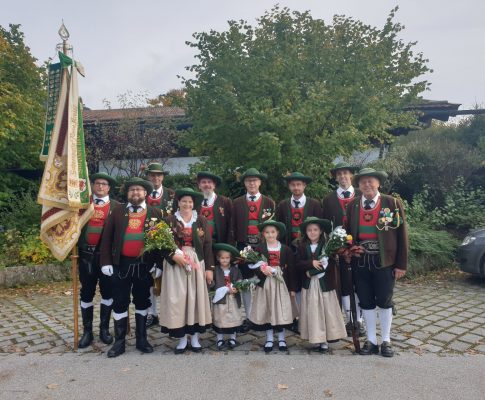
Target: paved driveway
{"points": [[445, 317]]}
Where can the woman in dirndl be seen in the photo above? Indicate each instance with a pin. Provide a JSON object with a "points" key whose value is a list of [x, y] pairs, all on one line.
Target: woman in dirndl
{"points": [[184, 299], [321, 319]]}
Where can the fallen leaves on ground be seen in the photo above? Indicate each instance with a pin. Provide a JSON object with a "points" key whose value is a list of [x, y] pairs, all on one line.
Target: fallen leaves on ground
{"points": [[52, 386], [282, 386], [327, 393]]}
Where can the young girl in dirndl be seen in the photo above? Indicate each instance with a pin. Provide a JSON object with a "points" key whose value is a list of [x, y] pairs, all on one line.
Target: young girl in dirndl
{"points": [[321, 319], [271, 304]]}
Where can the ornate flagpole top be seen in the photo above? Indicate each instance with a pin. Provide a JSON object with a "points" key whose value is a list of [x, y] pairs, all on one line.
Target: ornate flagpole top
{"points": [[63, 32]]}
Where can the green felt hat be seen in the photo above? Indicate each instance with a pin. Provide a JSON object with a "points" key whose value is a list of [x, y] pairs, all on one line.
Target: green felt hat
{"points": [[136, 181], [380, 175], [197, 197], [252, 172], [156, 168], [343, 165], [102, 175], [206, 174], [297, 176], [226, 247], [278, 225], [325, 224]]}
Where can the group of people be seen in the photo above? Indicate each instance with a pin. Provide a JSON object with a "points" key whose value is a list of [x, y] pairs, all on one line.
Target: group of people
{"points": [[296, 288]]}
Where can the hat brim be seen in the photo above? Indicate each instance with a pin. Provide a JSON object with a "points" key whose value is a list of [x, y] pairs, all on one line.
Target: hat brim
{"points": [[305, 179], [333, 171], [217, 179], [381, 177], [324, 224], [226, 247], [100, 175], [145, 184], [196, 196], [278, 225]]}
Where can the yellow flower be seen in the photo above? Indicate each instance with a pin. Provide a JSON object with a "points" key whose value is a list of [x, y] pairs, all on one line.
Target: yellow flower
{"points": [[349, 238]]}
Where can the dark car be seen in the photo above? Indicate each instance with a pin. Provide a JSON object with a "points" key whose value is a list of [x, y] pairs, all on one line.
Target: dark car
{"points": [[471, 253]]}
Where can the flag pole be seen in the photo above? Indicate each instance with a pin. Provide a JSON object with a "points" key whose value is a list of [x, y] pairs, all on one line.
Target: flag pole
{"points": [[64, 34]]}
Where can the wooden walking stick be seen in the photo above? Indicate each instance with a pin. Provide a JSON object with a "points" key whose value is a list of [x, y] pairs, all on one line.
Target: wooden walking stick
{"points": [[75, 295]]}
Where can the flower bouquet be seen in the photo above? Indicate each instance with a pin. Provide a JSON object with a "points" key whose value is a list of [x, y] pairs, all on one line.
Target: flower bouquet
{"points": [[246, 285], [159, 237], [257, 260]]}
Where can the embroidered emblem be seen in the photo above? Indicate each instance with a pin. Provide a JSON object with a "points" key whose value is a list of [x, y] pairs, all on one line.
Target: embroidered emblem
{"points": [[98, 214], [134, 223], [252, 208], [367, 217]]}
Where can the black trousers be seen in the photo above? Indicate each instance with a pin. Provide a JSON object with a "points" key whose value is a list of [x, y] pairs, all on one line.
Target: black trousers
{"points": [[374, 285], [131, 277], [89, 276]]}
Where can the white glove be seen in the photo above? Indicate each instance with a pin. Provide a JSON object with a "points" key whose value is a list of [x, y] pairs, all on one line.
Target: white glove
{"points": [[156, 272], [107, 270]]}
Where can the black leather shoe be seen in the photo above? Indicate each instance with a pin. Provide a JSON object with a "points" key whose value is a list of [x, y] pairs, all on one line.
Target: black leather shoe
{"points": [[221, 345], [180, 351], [195, 349], [87, 337], [369, 348], [232, 343], [268, 349], [118, 347], [386, 349], [141, 334], [282, 345], [152, 320], [104, 317]]}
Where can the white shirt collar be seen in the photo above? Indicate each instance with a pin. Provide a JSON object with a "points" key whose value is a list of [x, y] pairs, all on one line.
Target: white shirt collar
{"points": [[313, 247], [142, 205], [258, 195], [340, 191], [104, 199], [186, 224], [211, 200], [375, 199], [159, 191], [302, 201], [276, 248]]}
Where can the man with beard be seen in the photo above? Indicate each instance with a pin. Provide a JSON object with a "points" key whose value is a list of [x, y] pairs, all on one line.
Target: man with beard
{"points": [[248, 211], [89, 268], [130, 272], [335, 210], [215, 208], [292, 212], [161, 197]]}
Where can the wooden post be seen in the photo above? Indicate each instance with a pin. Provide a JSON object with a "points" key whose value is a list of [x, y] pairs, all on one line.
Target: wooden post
{"points": [[75, 293]]}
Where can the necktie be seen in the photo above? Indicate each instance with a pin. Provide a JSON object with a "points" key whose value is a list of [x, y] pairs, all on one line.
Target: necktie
{"points": [[368, 204], [252, 198], [136, 208], [346, 194], [98, 201], [206, 202], [297, 203], [154, 194]]}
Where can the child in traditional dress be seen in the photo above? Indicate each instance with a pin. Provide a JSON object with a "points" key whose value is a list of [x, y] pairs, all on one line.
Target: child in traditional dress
{"points": [[227, 316], [321, 320], [271, 305]]}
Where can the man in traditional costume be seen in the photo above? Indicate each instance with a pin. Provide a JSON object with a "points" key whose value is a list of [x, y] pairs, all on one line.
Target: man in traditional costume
{"points": [[292, 212], [130, 271], [217, 209], [161, 197], [335, 210], [377, 224], [248, 211], [89, 268]]}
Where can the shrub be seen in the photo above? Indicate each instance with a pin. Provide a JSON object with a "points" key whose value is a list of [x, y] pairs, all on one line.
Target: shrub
{"points": [[430, 249]]}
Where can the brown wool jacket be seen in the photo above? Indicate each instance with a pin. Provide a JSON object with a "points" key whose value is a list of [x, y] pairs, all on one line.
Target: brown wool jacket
{"points": [[113, 231], [201, 238], [240, 216], [222, 220], [312, 208], [331, 279], [332, 210], [393, 243]]}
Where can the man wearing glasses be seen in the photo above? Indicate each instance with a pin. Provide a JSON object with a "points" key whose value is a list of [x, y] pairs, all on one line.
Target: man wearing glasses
{"points": [[89, 268]]}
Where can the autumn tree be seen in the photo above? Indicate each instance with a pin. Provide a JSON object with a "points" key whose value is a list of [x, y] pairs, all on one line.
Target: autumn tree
{"points": [[294, 92], [173, 98], [22, 112]]}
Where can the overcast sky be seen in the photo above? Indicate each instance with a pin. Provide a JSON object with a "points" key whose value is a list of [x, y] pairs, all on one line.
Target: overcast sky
{"points": [[140, 45]]}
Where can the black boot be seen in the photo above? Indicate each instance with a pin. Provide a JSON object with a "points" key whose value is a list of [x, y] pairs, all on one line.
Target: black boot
{"points": [[87, 337], [104, 317], [141, 334], [118, 348]]}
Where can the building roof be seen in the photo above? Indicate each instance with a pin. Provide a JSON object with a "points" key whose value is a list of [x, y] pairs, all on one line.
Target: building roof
{"points": [[90, 116]]}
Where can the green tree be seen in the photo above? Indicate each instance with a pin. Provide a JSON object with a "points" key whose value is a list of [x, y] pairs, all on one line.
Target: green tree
{"points": [[173, 98], [22, 113], [294, 92]]}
